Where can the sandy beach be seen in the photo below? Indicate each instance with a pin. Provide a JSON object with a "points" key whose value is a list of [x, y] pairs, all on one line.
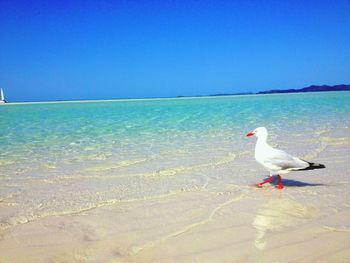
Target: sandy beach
{"points": [[195, 203], [306, 222]]}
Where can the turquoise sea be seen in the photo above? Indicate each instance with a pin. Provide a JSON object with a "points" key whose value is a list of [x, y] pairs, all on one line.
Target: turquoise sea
{"points": [[59, 158]]}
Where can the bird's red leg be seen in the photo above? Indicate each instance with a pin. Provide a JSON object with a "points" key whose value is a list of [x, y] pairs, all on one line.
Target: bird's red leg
{"points": [[280, 185], [268, 180]]}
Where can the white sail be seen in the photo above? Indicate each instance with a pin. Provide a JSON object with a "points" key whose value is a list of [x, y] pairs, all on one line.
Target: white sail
{"points": [[2, 98]]}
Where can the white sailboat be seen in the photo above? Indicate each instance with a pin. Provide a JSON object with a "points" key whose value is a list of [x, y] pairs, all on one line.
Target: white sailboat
{"points": [[2, 97]]}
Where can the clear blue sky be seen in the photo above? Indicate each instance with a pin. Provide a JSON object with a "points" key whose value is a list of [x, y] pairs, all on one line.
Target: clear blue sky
{"points": [[54, 50]]}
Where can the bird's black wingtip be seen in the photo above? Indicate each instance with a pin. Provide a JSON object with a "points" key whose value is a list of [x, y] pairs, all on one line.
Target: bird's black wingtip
{"points": [[313, 166]]}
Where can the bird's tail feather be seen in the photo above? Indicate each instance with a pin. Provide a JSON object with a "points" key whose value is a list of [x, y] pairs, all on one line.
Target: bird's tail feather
{"points": [[313, 166]]}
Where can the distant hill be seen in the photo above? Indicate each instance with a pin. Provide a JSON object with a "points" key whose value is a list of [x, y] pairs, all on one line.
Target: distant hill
{"points": [[312, 88]]}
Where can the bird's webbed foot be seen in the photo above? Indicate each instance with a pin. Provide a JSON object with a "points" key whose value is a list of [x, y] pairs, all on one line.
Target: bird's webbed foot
{"points": [[268, 180]]}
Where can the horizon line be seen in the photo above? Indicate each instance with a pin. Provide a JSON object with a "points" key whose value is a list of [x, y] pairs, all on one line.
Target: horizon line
{"points": [[271, 91], [162, 98]]}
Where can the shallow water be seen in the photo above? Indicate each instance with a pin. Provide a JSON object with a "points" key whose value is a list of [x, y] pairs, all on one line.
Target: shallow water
{"points": [[67, 157], [171, 180]]}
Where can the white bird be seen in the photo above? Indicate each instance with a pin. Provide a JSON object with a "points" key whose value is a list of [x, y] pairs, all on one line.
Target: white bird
{"points": [[277, 162]]}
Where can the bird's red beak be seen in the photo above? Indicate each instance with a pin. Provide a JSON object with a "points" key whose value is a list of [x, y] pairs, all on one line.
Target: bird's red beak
{"points": [[250, 134]]}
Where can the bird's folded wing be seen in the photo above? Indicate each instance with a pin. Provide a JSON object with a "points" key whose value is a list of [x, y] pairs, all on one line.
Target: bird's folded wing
{"points": [[283, 161]]}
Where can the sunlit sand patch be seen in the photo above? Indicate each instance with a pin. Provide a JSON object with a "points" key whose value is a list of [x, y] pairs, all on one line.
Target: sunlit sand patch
{"points": [[336, 141], [91, 157], [337, 229], [6, 162], [173, 171], [77, 256], [161, 172], [121, 164], [278, 214], [49, 165]]}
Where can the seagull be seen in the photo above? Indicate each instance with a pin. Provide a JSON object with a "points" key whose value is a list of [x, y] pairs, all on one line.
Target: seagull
{"points": [[277, 162]]}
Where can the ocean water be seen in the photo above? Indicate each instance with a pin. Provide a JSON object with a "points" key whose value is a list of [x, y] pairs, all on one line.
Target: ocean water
{"points": [[64, 158]]}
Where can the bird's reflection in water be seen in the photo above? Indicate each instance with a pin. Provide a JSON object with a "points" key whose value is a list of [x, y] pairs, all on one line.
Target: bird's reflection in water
{"points": [[277, 215]]}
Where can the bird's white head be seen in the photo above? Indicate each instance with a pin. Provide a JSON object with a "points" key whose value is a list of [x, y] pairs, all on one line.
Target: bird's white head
{"points": [[260, 132]]}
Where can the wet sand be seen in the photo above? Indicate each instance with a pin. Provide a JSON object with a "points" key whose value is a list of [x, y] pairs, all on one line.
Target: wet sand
{"points": [[222, 219]]}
